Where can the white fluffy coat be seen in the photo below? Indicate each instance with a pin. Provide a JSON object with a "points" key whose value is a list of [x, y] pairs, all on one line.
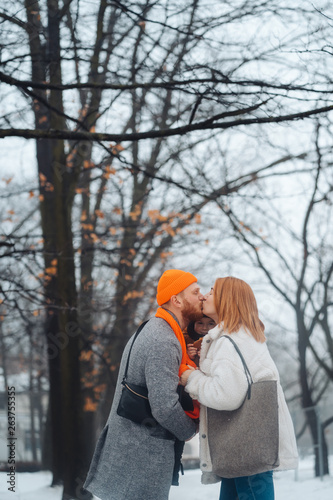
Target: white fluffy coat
{"points": [[221, 384]]}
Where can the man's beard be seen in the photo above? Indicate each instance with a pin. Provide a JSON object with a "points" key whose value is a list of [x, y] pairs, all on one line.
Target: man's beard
{"points": [[191, 313]]}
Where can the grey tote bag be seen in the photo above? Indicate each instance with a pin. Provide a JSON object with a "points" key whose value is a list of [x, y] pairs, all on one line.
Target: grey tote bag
{"points": [[245, 441]]}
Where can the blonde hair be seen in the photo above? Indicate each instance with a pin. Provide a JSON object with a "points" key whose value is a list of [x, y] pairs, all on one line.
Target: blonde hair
{"points": [[236, 306]]}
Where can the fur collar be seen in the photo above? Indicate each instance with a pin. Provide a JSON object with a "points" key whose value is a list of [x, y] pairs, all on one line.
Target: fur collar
{"points": [[216, 332]]}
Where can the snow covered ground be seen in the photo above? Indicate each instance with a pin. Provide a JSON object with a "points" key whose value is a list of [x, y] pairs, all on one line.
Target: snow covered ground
{"points": [[288, 486]]}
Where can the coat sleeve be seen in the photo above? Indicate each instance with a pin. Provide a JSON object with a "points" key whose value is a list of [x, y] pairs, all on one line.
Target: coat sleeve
{"points": [[221, 382], [161, 372]]}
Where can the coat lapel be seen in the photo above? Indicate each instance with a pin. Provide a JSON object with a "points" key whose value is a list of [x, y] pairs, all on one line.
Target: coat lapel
{"points": [[212, 335]]}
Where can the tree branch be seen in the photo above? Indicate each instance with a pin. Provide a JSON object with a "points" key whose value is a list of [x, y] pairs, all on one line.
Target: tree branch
{"points": [[176, 84], [152, 134]]}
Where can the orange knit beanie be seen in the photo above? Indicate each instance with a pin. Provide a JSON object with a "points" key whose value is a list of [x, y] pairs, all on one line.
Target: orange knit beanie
{"points": [[173, 281]]}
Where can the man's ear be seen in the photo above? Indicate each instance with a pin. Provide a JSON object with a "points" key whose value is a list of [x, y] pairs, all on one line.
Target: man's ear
{"points": [[175, 301]]}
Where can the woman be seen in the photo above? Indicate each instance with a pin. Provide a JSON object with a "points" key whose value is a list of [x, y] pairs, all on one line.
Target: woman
{"points": [[221, 383]]}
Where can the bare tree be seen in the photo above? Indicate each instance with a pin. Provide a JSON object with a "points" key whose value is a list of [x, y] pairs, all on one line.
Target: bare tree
{"points": [[296, 259], [164, 79]]}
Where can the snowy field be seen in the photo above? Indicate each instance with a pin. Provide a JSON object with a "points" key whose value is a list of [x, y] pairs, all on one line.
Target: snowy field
{"points": [[288, 486]]}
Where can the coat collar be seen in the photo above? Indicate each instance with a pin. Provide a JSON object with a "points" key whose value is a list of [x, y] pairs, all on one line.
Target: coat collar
{"points": [[216, 332]]}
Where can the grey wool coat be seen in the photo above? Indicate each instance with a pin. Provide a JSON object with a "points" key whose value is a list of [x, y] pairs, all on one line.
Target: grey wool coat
{"points": [[131, 461]]}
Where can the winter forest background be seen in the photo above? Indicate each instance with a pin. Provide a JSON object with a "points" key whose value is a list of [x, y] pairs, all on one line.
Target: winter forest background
{"points": [[142, 135]]}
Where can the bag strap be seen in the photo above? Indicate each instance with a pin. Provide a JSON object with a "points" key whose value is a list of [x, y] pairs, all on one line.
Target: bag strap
{"points": [[128, 357], [246, 368]]}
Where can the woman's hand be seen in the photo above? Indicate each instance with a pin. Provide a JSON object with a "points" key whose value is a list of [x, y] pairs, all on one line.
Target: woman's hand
{"points": [[185, 375]]}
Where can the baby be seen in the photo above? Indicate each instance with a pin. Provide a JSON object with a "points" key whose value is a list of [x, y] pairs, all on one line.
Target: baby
{"points": [[194, 334]]}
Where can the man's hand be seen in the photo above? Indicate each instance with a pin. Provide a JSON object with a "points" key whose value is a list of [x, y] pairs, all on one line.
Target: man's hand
{"points": [[185, 375]]}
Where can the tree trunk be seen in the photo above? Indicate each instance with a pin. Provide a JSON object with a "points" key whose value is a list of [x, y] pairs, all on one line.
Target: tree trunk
{"points": [[46, 442], [86, 320], [3, 357], [307, 401], [32, 398], [62, 329]]}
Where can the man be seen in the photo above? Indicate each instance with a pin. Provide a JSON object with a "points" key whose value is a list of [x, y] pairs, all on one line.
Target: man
{"points": [[133, 461]]}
